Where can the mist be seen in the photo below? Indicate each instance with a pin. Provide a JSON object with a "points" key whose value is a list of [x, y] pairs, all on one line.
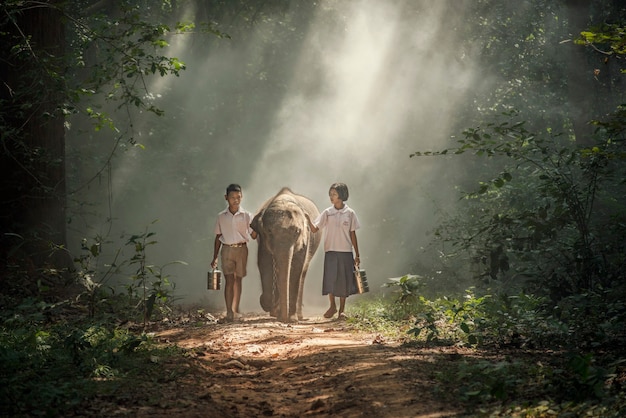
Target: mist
{"points": [[367, 84]]}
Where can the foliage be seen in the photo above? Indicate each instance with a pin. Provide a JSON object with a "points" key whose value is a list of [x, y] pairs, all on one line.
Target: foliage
{"points": [[113, 56], [407, 288], [551, 384], [518, 361], [148, 282], [59, 59], [542, 229], [55, 355], [609, 35], [545, 224], [499, 320], [89, 273], [547, 232], [377, 314], [547, 215], [49, 367], [147, 286]]}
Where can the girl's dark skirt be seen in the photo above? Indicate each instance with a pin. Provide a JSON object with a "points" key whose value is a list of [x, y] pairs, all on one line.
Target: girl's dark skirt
{"points": [[339, 274]]}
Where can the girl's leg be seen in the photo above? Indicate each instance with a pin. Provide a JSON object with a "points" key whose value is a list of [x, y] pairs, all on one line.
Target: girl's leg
{"points": [[342, 304], [333, 307], [229, 292]]}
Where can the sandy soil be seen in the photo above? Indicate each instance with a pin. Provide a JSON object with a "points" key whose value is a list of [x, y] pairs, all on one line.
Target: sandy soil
{"points": [[258, 366]]}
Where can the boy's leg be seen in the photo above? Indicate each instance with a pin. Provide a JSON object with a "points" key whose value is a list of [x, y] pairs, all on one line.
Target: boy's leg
{"points": [[237, 286], [229, 291], [241, 261]]}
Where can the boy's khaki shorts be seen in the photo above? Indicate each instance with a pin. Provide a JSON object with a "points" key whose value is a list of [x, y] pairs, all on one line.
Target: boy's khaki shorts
{"points": [[234, 260]]}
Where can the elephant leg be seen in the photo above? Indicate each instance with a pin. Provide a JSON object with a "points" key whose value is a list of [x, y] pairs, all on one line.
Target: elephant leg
{"points": [[275, 310], [297, 283], [305, 268], [266, 269]]}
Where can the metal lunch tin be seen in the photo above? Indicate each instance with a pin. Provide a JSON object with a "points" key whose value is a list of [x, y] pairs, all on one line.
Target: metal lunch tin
{"points": [[360, 277], [214, 279]]}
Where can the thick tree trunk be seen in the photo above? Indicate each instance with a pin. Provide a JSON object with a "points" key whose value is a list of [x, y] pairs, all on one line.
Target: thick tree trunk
{"points": [[32, 216]]}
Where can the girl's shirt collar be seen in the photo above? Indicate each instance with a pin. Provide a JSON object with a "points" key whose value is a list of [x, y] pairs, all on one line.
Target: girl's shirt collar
{"points": [[343, 209]]}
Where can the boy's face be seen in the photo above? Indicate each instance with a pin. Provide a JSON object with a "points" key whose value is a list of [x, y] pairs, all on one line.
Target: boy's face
{"points": [[234, 199]]}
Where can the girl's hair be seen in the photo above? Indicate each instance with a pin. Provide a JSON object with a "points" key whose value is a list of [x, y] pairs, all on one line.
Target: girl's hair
{"points": [[233, 188], [342, 190]]}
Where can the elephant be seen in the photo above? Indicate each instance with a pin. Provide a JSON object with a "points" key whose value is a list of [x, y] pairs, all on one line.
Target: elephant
{"points": [[286, 246]]}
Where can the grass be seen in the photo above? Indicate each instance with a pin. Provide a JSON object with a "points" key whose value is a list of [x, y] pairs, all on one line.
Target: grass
{"points": [[503, 377]]}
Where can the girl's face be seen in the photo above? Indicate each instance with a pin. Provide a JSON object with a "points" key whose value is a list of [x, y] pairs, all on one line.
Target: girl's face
{"points": [[334, 198]]}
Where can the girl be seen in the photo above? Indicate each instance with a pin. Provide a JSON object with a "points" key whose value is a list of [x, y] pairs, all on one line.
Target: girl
{"points": [[339, 264]]}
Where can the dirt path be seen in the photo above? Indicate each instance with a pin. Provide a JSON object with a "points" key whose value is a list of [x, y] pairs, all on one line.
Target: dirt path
{"points": [[321, 368]]}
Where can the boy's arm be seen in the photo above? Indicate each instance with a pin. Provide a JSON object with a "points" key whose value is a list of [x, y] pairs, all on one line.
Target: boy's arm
{"points": [[251, 220], [216, 250]]}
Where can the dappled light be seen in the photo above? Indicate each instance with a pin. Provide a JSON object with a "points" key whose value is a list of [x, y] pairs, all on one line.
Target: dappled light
{"points": [[262, 367]]}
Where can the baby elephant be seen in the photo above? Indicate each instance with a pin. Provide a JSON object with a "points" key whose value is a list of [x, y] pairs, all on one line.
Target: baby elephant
{"points": [[286, 246]]}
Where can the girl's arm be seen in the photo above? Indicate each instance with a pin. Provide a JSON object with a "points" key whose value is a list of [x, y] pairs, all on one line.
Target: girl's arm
{"points": [[313, 227], [355, 244]]}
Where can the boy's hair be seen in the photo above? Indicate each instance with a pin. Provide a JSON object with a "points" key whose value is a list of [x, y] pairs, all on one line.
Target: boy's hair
{"points": [[342, 190], [233, 188]]}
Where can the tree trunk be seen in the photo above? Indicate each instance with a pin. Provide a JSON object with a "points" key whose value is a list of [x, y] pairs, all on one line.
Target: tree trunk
{"points": [[32, 157]]}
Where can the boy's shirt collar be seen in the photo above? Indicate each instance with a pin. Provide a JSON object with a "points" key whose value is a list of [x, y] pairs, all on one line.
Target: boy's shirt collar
{"points": [[240, 209]]}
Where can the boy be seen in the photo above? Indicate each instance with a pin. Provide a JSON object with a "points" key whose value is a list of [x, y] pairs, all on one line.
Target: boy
{"points": [[232, 232]]}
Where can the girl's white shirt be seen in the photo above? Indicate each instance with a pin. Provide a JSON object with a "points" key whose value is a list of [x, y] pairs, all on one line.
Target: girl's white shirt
{"points": [[338, 224]]}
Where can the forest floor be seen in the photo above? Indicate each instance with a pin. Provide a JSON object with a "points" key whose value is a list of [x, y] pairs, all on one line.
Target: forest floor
{"points": [[257, 366]]}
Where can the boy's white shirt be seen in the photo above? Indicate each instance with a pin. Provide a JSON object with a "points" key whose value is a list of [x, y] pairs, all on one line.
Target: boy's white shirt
{"points": [[233, 228]]}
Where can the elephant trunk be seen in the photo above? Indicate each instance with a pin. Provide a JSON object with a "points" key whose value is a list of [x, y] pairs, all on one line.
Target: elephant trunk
{"points": [[282, 265]]}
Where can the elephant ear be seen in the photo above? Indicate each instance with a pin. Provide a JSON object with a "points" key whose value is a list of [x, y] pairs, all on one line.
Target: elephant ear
{"points": [[257, 222]]}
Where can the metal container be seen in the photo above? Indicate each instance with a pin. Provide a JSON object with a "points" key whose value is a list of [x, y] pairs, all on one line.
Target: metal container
{"points": [[214, 279], [360, 277]]}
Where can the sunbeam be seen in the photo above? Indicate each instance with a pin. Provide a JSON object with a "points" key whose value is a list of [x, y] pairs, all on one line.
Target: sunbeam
{"points": [[365, 85]]}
